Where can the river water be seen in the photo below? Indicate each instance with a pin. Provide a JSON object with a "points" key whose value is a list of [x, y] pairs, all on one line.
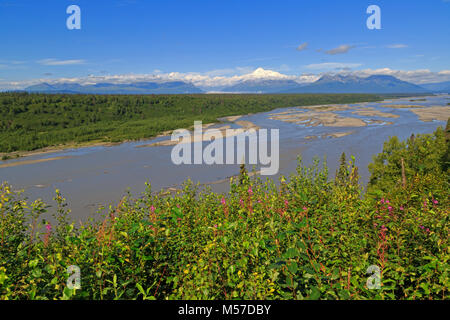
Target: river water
{"points": [[93, 176]]}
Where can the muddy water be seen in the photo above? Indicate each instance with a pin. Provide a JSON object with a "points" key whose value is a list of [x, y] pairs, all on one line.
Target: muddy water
{"points": [[94, 176]]}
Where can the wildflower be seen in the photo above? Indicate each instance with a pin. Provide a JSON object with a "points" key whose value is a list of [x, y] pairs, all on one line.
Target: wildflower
{"points": [[435, 201], [241, 202], [401, 208], [215, 226], [250, 191], [286, 203], [48, 227], [152, 209], [223, 202], [305, 208]]}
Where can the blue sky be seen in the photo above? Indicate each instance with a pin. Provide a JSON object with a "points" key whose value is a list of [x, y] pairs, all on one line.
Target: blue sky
{"points": [[221, 38]]}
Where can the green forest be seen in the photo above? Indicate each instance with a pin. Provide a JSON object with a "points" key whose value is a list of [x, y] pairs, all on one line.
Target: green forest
{"points": [[310, 236], [34, 121]]}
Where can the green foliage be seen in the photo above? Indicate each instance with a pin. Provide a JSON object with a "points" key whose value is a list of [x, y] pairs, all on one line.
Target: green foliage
{"points": [[34, 121], [422, 159], [446, 156], [304, 238]]}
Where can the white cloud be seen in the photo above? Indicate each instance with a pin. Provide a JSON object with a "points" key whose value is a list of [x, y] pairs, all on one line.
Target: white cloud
{"points": [[12, 64], [56, 62], [332, 65], [302, 47], [397, 46], [339, 50]]}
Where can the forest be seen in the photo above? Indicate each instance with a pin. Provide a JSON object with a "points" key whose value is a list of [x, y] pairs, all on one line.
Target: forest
{"points": [[34, 121]]}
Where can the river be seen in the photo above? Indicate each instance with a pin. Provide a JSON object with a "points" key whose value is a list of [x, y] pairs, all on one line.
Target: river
{"points": [[92, 176]]}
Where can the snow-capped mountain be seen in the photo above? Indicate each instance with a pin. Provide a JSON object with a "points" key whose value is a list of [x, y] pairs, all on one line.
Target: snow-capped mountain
{"points": [[258, 81], [354, 84], [329, 84]]}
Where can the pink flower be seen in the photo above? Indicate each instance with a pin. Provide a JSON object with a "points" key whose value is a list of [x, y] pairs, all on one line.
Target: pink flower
{"points": [[152, 209], [401, 208], [435, 201], [48, 227], [215, 226], [286, 203], [305, 208], [250, 191], [389, 208], [223, 202], [241, 202]]}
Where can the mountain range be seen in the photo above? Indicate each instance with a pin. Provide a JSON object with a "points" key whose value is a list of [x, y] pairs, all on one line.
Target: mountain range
{"points": [[354, 84], [255, 83], [169, 87], [437, 86]]}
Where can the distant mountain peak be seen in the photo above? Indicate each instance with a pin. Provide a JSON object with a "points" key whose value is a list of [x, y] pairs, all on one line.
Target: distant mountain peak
{"points": [[348, 83], [261, 73]]}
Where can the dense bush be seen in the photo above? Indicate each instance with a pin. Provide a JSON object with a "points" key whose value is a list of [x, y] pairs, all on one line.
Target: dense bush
{"points": [[34, 121], [305, 238]]}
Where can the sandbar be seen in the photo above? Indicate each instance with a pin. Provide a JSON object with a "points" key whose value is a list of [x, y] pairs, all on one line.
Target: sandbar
{"points": [[25, 162], [433, 113], [372, 112]]}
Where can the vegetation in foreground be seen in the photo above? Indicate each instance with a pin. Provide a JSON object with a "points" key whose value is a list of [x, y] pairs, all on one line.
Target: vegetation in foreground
{"points": [[308, 238], [34, 121]]}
